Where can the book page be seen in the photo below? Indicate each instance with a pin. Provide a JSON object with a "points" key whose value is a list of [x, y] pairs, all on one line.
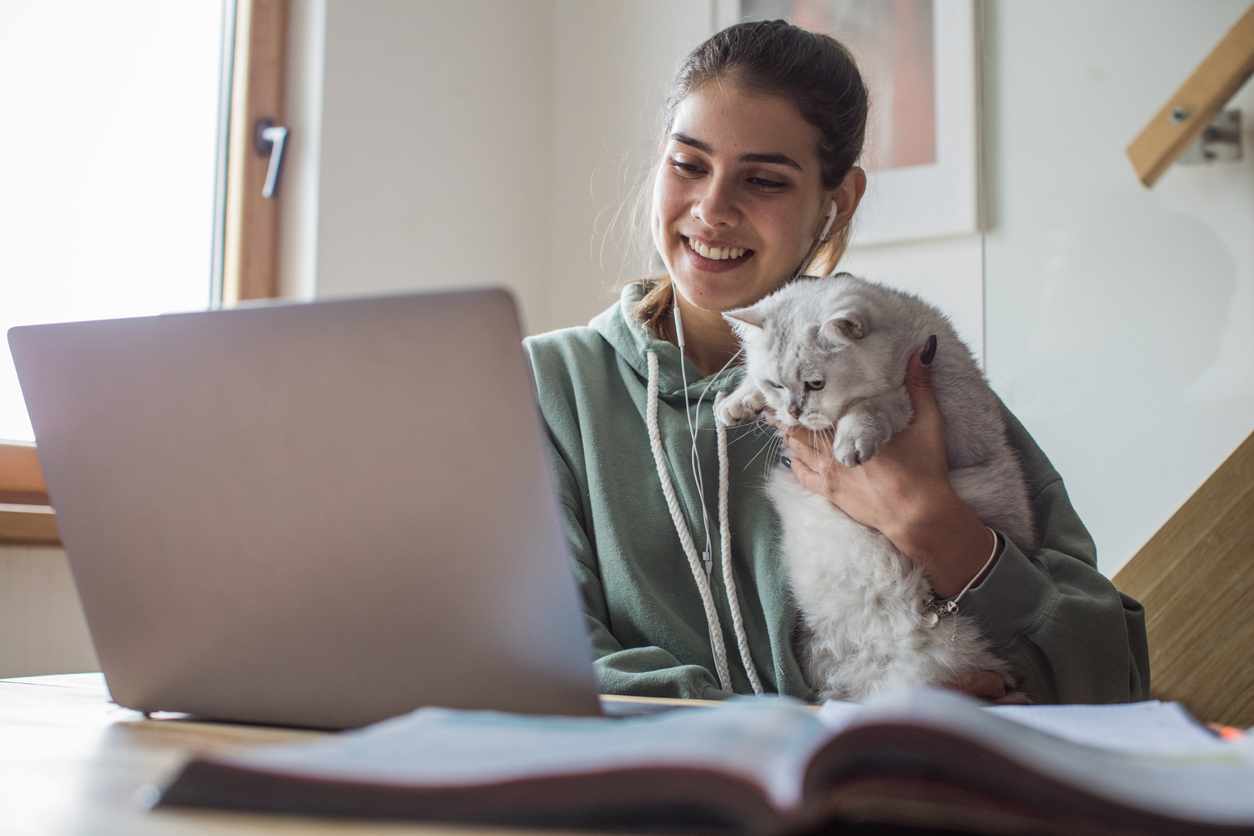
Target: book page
{"points": [[1175, 773], [1151, 726], [767, 743]]}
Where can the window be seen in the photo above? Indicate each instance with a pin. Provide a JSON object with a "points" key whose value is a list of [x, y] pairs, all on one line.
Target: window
{"points": [[109, 162]]}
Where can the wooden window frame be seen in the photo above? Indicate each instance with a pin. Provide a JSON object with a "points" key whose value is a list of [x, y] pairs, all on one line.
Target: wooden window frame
{"points": [[26, 517], [250, 267], [245, 264]]}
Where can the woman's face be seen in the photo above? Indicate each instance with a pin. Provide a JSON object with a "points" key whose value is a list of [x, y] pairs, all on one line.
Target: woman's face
{"points": [[738, 199]]}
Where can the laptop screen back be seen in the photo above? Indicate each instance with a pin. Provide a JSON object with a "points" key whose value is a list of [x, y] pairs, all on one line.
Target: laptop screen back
{"points": [[311, 514]]}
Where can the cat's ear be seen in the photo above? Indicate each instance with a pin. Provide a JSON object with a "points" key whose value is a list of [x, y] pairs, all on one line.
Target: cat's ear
{"points": [[744, 321], [844, 327]]}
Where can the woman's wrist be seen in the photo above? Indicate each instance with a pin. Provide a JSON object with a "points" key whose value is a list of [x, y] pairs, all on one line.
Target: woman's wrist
{"points": [[950, 544]]}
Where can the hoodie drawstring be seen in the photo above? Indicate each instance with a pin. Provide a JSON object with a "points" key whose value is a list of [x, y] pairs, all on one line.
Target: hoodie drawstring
{"points": [[690, 549], [724, 533]]}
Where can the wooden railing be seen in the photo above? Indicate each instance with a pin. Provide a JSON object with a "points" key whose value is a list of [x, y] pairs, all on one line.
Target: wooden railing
{"points": [[1198, 101]]}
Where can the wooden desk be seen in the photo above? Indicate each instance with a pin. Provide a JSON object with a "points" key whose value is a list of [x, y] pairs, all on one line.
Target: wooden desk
{"points": [[71, 761]]}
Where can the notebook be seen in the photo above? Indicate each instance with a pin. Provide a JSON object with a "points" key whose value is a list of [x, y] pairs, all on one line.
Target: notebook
{"points": [[312, 514]]}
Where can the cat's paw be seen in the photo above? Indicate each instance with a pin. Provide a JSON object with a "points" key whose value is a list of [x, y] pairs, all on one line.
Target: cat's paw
{"points": [[857, 440], [852, 450], [737, 409]]}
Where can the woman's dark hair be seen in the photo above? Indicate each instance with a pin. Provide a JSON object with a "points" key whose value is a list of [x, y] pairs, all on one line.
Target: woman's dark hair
{"points": [[814, 72]]}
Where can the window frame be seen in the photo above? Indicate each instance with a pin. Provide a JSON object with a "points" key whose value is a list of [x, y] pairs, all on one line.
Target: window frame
{"points": [[26, 517]]}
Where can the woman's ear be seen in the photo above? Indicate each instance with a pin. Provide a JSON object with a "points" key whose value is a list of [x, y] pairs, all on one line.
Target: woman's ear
{"points": [[847, 196]]}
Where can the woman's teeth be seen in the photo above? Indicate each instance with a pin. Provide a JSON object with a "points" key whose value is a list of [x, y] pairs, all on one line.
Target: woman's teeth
{"points": [[716, 253]]}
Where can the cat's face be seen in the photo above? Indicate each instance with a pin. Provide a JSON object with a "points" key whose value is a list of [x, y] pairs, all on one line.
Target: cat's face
{"points": [[811, 362]]}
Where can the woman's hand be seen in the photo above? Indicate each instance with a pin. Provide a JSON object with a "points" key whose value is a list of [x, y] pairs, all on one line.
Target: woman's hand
{"points": [[988, 685], [903, 491]]}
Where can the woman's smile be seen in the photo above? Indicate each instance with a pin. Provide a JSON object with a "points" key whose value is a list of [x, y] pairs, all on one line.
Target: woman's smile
{"points": [[715, 258]]}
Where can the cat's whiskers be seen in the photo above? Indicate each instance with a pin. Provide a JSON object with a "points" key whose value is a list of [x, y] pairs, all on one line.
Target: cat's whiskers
{"points": [[748, 429], [739, 352], [698, 428], [771, 448]]}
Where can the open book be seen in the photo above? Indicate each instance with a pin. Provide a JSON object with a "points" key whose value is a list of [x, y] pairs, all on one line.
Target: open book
{"points": [[761, 766]]}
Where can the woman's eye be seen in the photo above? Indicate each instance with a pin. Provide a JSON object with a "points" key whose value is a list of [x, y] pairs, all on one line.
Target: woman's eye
{"points": [[764, 183], [814, 385], [685, 169]]}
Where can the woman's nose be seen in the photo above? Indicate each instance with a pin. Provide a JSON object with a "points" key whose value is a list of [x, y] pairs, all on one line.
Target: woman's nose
{"points": [[716, 206]]}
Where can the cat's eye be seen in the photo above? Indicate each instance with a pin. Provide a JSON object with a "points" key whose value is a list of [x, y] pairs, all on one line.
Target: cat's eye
{"points": [[814, 385], [776, 385]]}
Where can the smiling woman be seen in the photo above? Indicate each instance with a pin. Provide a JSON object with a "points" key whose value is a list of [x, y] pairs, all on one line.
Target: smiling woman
{"points": [[686, 596]]}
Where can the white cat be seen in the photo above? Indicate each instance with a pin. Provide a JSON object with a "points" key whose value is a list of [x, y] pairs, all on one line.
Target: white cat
{"points": [[831, 354]]}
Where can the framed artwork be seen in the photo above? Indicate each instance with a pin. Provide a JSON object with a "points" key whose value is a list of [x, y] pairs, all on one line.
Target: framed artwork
{"points": [[918, 58]]}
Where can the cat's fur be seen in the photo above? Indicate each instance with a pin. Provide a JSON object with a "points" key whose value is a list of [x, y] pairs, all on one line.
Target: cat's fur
{"points": [[863, 603]]}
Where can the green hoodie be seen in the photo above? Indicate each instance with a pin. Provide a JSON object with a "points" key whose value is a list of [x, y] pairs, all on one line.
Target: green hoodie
{"points": [[1067, 633]]}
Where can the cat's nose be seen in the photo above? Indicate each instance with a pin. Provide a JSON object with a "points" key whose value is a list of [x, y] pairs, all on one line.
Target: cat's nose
{"points": [[794, 411]]}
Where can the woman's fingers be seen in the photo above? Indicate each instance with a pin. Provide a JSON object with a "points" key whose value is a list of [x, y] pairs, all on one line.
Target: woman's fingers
{"points": [[989, 685], [806, 443], [919, 378], [806, 475]]}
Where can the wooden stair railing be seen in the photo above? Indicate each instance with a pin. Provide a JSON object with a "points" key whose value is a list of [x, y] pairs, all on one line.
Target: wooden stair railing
{"points": [[1196, 104]]}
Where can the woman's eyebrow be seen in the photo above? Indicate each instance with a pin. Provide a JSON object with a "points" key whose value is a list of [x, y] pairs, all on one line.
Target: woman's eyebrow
{"points": [[778, 159]]}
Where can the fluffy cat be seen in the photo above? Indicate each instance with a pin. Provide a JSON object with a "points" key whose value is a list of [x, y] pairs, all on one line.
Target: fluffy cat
{"points": [[831, 354]]}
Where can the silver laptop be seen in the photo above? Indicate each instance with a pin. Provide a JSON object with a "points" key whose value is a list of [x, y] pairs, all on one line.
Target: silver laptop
{"points": [[316, 514]]}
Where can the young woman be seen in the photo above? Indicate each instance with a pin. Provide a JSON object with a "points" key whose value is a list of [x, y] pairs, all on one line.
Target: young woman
{"points": [[755, 184]]}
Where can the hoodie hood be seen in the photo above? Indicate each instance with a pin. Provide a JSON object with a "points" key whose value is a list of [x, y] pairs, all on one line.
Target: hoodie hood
{"points": [[632, 341]]}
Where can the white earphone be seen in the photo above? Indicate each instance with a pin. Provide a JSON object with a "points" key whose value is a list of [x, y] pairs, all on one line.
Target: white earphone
{"points": [[679, 331], [827, 227]]}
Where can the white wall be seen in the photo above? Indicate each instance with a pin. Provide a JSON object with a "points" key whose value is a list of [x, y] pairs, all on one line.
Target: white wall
{"points": [[612, 66], [1120, 319], [436, 130], [41, 621], [298, 189], [475, 142]]}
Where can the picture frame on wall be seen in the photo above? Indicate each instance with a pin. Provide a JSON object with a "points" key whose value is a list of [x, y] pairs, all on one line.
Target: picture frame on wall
{"points": [[919, 61]]}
